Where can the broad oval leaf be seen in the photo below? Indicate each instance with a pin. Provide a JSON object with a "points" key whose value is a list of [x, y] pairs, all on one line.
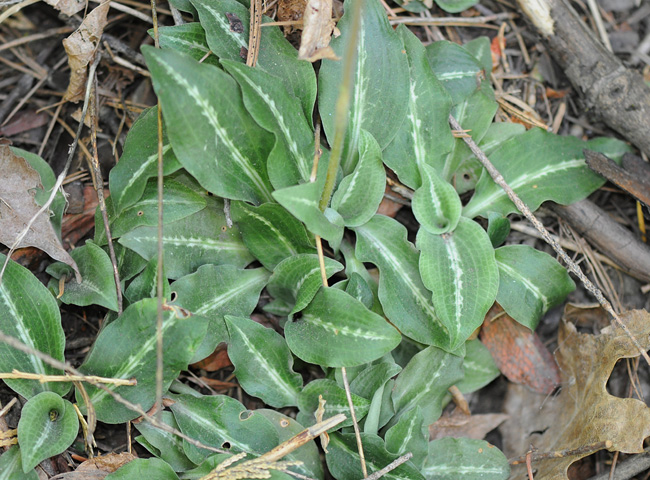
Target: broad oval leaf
{"points": [[336, 402], [479, 367], [424, 383], [215, 291], [405, 299], [11, 466], [530, 282], [436, 205], [226, 25], [540, 166], [379, 96], [344, 463], [222, 422], [144, 468], [126, 348], [359, 194], [296, 280], [409, 434], [199, 239], [98, 283], [48, 425], [263, 362], [425, 136], [460, 270], [30, 314], [224, 149], [453, 458], [458, 70], [336, 330], [188, 38], [275, 109], [270, 232], [139, 160]]}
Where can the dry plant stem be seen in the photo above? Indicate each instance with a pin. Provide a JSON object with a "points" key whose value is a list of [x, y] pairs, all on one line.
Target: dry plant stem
{"points": [[63, 174], [255, 33], [390, 467], [67, 378], [355, 424], [99, 189], [523, 208], [15, 9], [584, 450], [18, 345], [37, 36]]}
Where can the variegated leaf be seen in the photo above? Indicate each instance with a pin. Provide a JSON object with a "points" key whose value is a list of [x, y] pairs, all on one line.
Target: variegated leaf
{"points": [[188, 38], [336, 330], [460, 270], [425, 137], [404, 298], [223, 148], [379, 96], [540, 166], [458, 70], [436, 205], [465, 458], [409, 434], [336, 402]]}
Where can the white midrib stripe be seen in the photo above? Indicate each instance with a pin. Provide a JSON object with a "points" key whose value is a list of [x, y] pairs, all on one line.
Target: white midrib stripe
{"points": [[225, 25], [423, 392], [529, 285], [218, 301], [457, 271], [279, 235], [341, 330], [202, 242], [141, 169]]}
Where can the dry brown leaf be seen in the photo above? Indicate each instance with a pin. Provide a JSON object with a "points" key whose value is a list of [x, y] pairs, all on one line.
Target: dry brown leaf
{"points": [[81, 47], [458, 424], [291, 11], [518, 352], [317, 31], [589, 414], [215, 361], [18, 207], [67, 7]]}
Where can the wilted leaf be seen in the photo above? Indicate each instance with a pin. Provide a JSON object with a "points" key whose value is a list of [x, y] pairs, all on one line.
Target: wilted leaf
{"points": [[518, 352], [589, 414], [81, 47], [18, 206], [317, 31]]}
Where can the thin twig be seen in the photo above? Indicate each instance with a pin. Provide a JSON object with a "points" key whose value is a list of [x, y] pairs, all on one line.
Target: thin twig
{"points": [[67, 378], [523, 208], [569, 452], [390, 467], [255, 32]]}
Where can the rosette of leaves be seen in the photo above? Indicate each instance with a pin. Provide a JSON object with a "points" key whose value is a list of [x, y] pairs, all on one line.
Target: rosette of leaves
{"points": [[243, 138]]}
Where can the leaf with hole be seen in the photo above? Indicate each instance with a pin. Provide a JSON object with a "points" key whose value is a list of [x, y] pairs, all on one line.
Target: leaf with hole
{"points": [[460, 270], [126, 348], [336, 330], [30, 314], [48, 425], [224, 149]]}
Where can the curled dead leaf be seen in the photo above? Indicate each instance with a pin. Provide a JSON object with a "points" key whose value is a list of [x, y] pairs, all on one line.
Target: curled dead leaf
{"points": [[81, 47], [318, 27]]}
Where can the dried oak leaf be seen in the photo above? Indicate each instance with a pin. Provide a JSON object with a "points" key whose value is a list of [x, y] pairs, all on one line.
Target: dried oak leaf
{"points": [[458, 424], [589, 414], [18, 206], [518, 352], [67, 7], [81, 47], [317, 31]]}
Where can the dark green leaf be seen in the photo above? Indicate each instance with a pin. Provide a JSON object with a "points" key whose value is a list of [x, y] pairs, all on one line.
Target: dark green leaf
{"points": [[166, 446], [373, 377], [479, 367], [11, 466], [454, 458], [145, 284], [458, 70], [188, 38], [436, 205], [498, 228], [409, 434], [144, 468], [335, 402]]}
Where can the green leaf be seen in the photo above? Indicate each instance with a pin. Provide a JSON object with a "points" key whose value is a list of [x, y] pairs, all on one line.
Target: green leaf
{"points": [[453, 458], [145, 284], [530, 283], [276, 55], [379, 96], [98, 283], [436, 205], [481, 50], [224, 149], [30, 314], [359, 194], [405, 299], [275, 109], [479, 367], [297, 279], [373, 377], [129, 263], [270, 232], [126, 348], [344, 464], [336, 330], [455, 6], [165, 445], [308, 454], [215, 291], [222, 422], [425, 136], [458, 70], [460, 270], [424, 383], [335, 402], [409, 434], [144, 468], [539, 166], [358, 288], [263, 362], [498, 228], [193, 241], [188, 38], [139, 161], [48, 425], [11, 466]]}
